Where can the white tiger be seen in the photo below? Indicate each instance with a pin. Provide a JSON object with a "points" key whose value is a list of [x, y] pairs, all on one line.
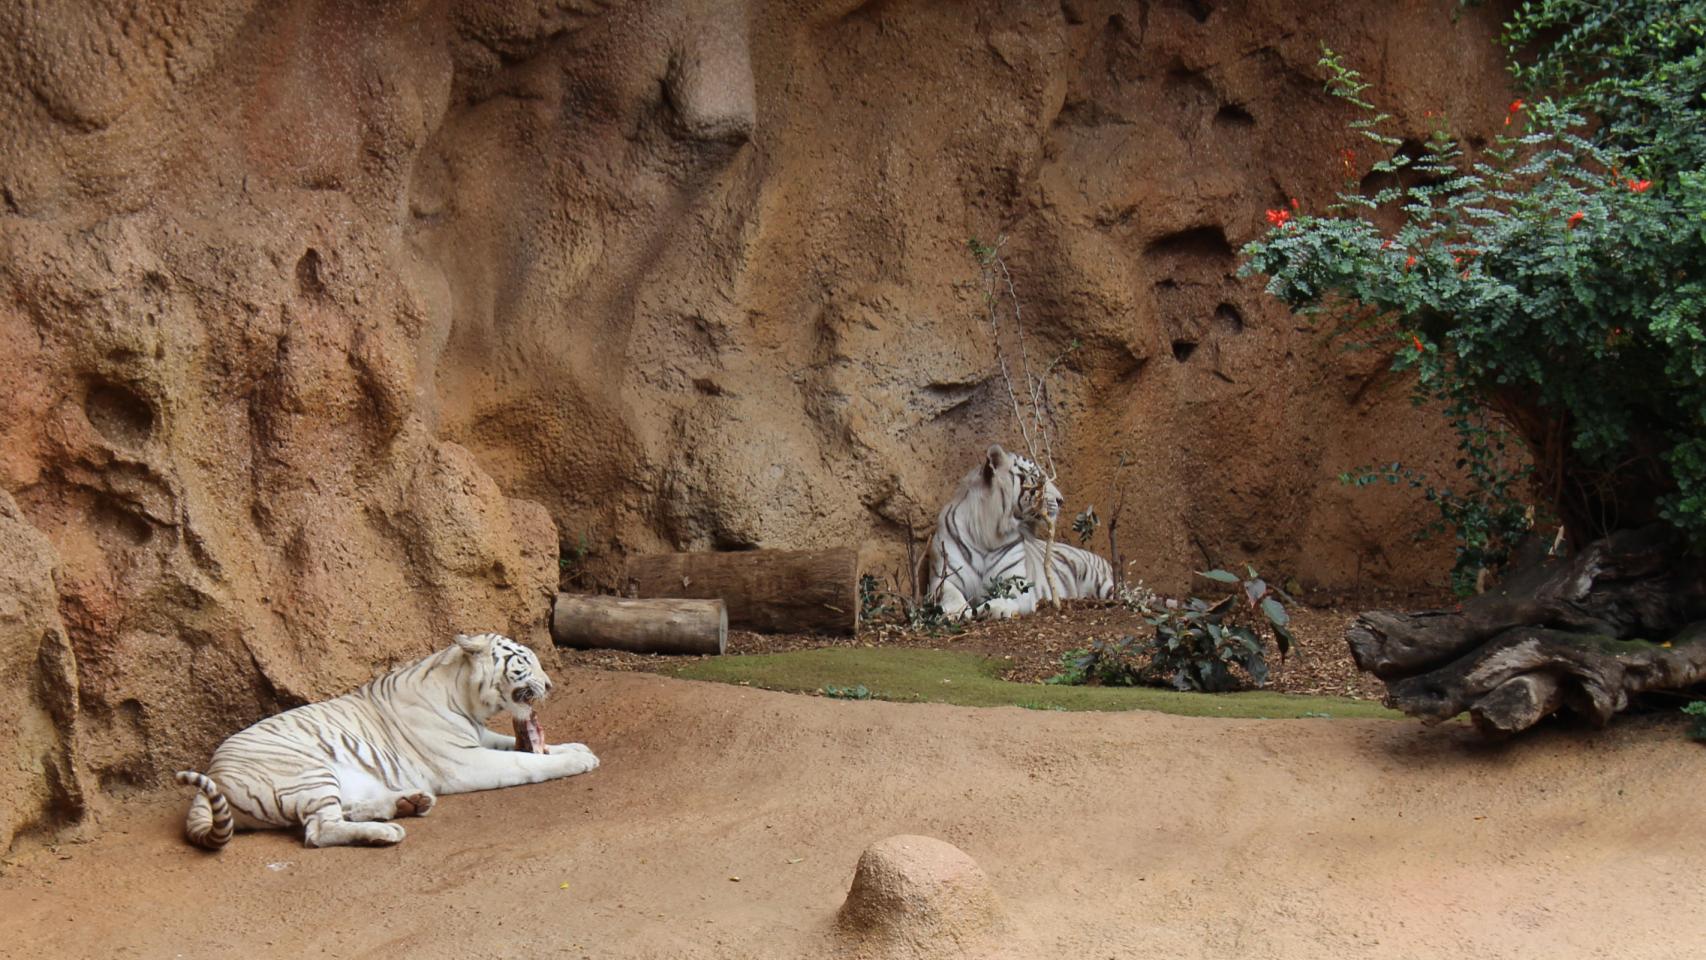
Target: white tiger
{"points": [[985, 535], [386, 750]]}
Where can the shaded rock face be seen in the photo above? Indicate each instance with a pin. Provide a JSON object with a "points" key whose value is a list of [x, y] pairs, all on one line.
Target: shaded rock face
{"points": [[324, 322]]}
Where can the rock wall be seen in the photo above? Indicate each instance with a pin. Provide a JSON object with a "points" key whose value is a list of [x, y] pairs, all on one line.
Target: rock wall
{"points": [[324, 322]]}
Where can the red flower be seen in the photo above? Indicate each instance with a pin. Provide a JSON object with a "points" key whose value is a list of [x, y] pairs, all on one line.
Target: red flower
{"points": [[1410, 261], [1514, 107], [1418, 342], [1386, 245], [1640, 186], [1294, 203], [1278, 218], [1575, 218]]}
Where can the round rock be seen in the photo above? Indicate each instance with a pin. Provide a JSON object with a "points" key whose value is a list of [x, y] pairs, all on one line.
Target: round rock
{"points": [[922, 893]]}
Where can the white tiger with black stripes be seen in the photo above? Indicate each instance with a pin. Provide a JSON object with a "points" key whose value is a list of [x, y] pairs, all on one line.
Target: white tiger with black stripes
{"points": [[387, 750], [984, 536]]}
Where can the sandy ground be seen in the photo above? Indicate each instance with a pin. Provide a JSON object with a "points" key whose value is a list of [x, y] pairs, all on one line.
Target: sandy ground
{"points": [[1131, 835]]}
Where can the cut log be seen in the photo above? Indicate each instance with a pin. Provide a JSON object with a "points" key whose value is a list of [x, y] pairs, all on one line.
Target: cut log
{"points": [[1624, 616], [640, 626], [773, 591]]}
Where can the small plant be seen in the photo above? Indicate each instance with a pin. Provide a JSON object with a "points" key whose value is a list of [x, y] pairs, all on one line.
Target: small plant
{"points": [[1197, 643], [1193, 649], [860, 692], [1071, 674], [1137, 597], [873, 599], [1112, 663], [1085, 524], [1005, 588], [571, 559], [1697, 710], [878, 604]]}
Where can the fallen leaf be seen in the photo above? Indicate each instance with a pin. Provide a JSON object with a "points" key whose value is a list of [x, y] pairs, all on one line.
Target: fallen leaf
{"points": [[734, 879], [795, 859], [562, 886]]}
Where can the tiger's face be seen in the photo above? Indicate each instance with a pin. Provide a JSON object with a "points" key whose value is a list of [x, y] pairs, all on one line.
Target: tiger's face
{"points": [[512, 680], [1035, 498]]}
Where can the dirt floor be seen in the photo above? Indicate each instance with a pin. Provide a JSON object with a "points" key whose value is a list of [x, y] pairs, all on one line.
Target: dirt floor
{"points": [[725, 822]]}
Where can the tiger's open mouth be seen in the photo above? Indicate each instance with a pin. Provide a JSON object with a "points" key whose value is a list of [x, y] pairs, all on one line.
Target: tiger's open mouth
{"points": [[529, 735]]}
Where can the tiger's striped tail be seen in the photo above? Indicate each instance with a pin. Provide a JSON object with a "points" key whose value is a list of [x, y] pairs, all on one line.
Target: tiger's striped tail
{"points": [[209, 823]]}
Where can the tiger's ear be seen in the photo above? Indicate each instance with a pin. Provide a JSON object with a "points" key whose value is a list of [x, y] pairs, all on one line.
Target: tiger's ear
{"points": [[992, 461], [473, 646]]}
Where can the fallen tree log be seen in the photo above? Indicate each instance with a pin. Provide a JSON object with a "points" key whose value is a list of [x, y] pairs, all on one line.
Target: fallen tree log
{"points": [[1624, 616], [640, 626], [772, 591]]}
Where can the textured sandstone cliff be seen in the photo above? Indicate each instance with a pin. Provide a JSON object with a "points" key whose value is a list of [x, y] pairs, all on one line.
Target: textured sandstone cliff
{"points": [[324, 321]]}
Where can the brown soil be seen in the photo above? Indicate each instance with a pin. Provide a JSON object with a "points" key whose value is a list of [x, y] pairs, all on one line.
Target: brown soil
{"points": [[1319, 663], [726, 822]]}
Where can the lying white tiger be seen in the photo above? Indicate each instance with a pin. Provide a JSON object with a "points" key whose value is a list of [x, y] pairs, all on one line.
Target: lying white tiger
{"points": [[386, 750], [984, 535]]}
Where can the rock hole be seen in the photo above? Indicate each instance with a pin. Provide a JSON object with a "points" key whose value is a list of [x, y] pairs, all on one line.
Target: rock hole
{"points": [[1233, 115], [119, 414], [1199, 10], [308, 279], [1197, 243], [1228, 319], [1182, 349]]}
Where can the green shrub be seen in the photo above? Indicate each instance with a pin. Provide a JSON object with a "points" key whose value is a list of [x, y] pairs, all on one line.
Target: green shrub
{"points": [[1697, 710], [1555, 278], [1195, 643]]}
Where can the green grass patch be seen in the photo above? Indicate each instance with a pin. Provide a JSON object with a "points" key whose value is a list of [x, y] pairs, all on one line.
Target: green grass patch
{"points": [[969, 680]]}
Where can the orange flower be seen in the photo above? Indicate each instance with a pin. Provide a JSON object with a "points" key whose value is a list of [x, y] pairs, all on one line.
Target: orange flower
{"points": [[1575, 218], [1418, 342], [1510, 113], [1410, 261], [1640, 186], [1278, 218]]}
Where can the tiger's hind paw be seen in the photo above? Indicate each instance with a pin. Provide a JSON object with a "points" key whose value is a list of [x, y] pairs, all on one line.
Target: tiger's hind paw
{"points": [[415, 804]]}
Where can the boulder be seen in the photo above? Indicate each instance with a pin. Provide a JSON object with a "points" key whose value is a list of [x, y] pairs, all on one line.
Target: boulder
{"points": [[919, 897]]}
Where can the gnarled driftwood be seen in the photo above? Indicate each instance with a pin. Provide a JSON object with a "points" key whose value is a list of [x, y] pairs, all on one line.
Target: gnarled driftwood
{"points": [[1625, 615]]}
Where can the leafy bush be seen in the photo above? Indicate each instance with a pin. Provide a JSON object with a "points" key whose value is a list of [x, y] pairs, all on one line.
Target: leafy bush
{"points": [[1697, 710], [860, 692], [1556, 277], [1195, 644]]}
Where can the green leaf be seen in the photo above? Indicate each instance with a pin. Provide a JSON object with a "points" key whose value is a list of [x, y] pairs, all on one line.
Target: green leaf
{"points": [[1219, 576], [1276, 612]]}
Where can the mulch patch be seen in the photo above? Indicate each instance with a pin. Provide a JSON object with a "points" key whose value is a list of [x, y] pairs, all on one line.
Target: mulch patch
{"points": [[1032, 646]]}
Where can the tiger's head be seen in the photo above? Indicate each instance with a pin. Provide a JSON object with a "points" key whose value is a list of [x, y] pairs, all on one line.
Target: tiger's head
{"points": [[508, 676], [1021, 484]]}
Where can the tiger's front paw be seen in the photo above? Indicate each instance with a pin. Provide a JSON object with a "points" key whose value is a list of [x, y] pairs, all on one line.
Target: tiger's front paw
{"points": [[576, 755]]}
